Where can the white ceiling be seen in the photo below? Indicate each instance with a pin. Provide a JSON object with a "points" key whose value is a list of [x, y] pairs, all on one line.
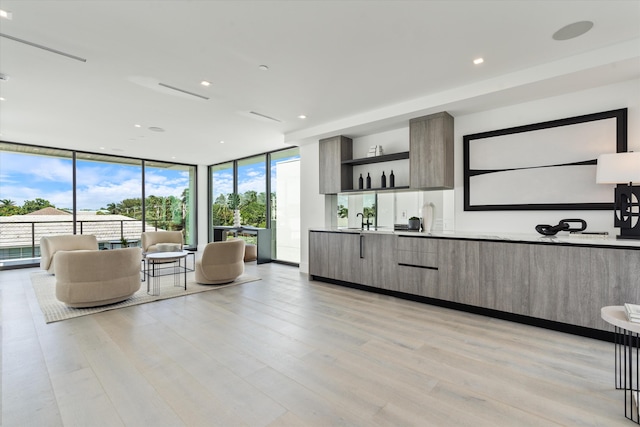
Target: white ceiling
{"points": [[350, 66]]}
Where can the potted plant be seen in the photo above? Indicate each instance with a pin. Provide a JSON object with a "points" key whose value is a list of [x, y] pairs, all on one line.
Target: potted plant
{"points": [[123, 242], [414, 223]]}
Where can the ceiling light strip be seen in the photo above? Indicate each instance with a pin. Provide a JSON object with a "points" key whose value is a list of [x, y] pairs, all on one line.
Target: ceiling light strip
{"points": [[265, 116], [39, 46], [183, 91]]}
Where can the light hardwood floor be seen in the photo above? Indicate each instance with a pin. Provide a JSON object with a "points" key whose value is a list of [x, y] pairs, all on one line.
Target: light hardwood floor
{"points": [[286, 351]]}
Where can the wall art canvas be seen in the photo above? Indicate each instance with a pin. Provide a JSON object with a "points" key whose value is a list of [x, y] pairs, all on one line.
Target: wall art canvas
{"points": [[543, 166]]}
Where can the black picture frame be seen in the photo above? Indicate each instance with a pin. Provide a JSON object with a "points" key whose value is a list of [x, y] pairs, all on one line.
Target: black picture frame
{"points": [[556, 136]]}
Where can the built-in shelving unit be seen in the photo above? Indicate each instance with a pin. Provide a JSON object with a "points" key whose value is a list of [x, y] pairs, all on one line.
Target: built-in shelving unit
{"points": [[377, 159], [378, 189], [430, 155]]}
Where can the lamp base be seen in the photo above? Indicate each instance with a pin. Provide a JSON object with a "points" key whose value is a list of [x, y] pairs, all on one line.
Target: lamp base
{"points": [[627, 211]]}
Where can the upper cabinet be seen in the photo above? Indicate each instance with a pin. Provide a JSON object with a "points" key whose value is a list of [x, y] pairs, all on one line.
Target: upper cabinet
{"points": [[431, 152], [430, 158], [334, 176]]}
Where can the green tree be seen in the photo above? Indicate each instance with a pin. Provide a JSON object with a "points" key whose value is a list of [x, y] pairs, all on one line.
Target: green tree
{"points": [[34, 205], [130, 207], [8, 207]]}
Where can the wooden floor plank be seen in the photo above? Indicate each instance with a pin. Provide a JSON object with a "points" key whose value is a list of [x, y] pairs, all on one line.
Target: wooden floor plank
{"points": [[286, 351]]}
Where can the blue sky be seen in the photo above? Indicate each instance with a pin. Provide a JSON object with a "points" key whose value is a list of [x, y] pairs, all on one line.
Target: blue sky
{"points": [[27, 177], [250, 177]]}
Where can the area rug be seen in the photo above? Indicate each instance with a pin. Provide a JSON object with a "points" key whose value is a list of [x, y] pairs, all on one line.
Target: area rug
{"points": [[44, 285]]}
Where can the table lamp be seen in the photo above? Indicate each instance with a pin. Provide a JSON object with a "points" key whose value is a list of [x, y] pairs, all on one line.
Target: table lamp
{"points": [[623, 169]]}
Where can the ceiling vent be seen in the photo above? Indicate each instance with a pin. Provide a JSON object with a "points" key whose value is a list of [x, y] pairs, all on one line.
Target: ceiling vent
{"points": [[264, 116], [39, 46], [3, 77], [183, 91]]}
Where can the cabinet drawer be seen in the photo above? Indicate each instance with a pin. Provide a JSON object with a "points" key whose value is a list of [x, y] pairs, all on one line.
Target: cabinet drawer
{"points": [[417, 244], [418, 281], [418, 259]]}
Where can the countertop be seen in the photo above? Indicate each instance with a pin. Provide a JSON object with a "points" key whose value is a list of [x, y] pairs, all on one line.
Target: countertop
{"points": [[562, 238]]}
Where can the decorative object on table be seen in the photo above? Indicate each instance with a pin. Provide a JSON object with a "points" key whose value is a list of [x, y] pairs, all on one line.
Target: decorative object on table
{"points": [[123, 242], [632, 311], [233, 201], [375, 150], [563, 225], [556, 171], [360, 183], [383, 181], [368, 180], [623, 169], [427, 217], [414, 223], [392, 179]]}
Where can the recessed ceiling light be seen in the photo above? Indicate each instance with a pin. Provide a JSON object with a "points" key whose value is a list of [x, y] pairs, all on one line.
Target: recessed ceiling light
{"points": [[138, 126], [6, 14], [302, 116], [478, 61], [263, 67], [1, 98], [572, 30], [102, 148], [221, 142], [205, 83]]}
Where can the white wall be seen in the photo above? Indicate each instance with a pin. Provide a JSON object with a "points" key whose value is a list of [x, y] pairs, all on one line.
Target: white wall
{"points": [[316, 208], [312, 203], [621, 95]]}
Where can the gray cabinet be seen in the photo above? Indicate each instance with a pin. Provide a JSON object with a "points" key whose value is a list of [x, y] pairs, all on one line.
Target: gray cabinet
{"points": [[561, 283], [319, 254], [431, 151], [378, 261], [570, 284], [334, 176], [459, 271], [417, 268], [504, 277], [335, 256]]}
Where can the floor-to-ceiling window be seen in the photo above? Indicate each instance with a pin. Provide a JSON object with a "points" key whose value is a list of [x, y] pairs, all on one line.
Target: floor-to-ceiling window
{"points": [[45, 191], [108, 194], [167, 198], [36, 199], [285, 204], [221, 187], [252, 189], [266, 191]]}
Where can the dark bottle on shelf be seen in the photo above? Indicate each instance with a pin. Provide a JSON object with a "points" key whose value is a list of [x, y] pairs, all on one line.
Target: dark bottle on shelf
{"points": [[392, 179], [368, 180], [360, 182], [383, 181]]}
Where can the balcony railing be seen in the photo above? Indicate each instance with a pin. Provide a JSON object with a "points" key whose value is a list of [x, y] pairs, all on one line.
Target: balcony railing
{"points": [[20, 241]]}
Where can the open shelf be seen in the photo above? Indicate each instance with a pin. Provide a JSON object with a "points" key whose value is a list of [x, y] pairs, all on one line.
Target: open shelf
{"points": [[363, 190], [377, 159]]}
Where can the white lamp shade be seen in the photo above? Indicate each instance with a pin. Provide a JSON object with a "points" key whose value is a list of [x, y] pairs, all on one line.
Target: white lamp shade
{"points": [[618, 168]]}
